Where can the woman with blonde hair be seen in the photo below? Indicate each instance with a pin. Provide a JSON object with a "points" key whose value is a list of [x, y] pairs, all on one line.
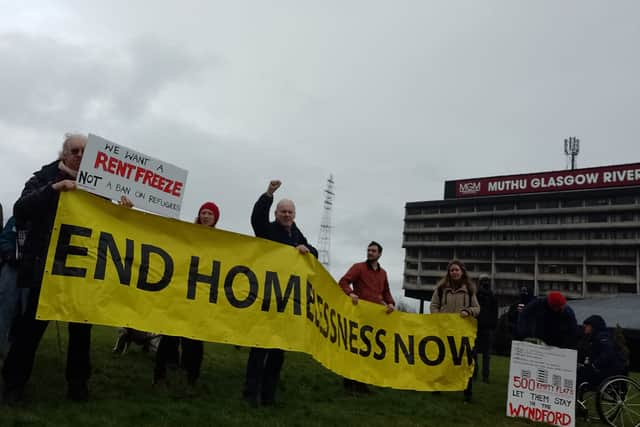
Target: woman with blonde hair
{"points": [[456, 293]]}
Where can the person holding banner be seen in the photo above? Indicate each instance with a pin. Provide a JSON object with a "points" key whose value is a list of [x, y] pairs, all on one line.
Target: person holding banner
{"points": [[456, 293], [367, 281], [35, 213], [549, 319], [192, 350], [264, 364]]}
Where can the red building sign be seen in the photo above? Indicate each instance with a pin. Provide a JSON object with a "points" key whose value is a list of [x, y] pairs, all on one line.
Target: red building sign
{"points": [[577, 179]]}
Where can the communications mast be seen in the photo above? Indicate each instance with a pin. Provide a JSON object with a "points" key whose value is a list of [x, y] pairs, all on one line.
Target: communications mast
{"points": [[324, 239]]}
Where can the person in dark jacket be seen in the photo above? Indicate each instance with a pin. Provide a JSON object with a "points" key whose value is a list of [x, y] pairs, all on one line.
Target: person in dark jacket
{"points": [[487, 323], [602, 358], [35, 213], [192, 349], [514, 311], [10, 295], [264, 365], [549, 319]]}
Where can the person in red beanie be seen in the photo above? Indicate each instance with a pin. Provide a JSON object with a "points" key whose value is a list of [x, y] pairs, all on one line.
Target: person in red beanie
{"points": [[549, 319], [192, 350]]}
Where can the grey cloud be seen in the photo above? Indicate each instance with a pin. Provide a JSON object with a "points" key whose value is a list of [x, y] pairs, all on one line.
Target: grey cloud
{"points": [[46, 82]]}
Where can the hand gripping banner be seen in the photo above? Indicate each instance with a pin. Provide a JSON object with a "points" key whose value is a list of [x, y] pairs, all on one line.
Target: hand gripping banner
{"points": [[114, 266]]}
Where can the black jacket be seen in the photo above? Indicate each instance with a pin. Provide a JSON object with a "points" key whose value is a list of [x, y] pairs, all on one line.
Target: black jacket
{"points": [[274, 231], [488, 317], [35, 212], [558, 329]]}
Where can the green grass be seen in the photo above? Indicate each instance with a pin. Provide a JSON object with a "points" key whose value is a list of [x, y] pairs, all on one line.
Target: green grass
{"points": [[122, 395]]}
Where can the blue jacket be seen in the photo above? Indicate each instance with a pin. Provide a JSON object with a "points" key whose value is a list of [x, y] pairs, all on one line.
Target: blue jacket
{"points": [[8, 242], [558, 329]]}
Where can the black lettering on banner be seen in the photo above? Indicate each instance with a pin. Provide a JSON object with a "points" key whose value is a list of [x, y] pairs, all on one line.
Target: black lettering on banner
{"points": [[194, 277], [310, 300], [64, 248], [143, 273], [253, 286], [334, 332], [383, 349], [325, 333], [407, 350], [293, 286], [315, 308], [106, 243], [366, 340], [342, 329], [353, 337], [465, 346], [422, 350]]}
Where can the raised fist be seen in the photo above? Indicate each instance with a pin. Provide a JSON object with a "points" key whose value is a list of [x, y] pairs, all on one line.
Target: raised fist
{"points": [[273, 186]]}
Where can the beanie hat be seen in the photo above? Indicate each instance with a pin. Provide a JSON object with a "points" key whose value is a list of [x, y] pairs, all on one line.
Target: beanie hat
{"points": [[556, 299], [213, 208]]}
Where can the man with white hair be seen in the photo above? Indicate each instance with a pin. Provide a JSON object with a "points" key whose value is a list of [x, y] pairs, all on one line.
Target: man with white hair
{"points": [[35, 213], [263, 365]]}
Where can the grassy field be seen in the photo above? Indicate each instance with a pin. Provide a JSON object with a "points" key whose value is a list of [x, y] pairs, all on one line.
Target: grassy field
{"points": [[122, 395]]}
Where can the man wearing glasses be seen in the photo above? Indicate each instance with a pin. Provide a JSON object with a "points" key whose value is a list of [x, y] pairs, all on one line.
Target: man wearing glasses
{"points": [[35, 213]]}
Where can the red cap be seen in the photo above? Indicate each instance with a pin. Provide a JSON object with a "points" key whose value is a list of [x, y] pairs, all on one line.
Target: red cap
{"points": [[556, 299], [213, 208]]}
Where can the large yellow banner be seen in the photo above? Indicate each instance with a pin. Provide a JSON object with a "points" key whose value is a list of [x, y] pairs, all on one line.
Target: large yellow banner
{"points": [[120, 267]]}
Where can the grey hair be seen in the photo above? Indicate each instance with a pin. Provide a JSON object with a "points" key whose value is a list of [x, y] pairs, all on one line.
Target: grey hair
{"points": [[286, 201], [67, 138]]}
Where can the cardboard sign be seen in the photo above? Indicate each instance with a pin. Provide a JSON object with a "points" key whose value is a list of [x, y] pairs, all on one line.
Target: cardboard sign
{"points": [[542, 383], [112, 170]]}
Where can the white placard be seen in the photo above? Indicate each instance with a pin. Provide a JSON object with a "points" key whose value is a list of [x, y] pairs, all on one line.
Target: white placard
{"points": [[542, 383], [113, 170]]}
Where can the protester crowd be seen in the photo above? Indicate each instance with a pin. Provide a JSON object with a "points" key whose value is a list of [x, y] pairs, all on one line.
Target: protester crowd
{"points": [[23, 250]]}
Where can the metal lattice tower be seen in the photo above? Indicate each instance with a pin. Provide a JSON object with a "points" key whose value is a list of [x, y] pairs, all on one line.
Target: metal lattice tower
{"points": [[324, 239], [571, 150]]}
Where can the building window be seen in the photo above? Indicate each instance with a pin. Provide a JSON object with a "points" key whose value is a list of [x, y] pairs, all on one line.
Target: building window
{"points": [[597, 217], [623, 200], [547, 204], [412, 253], [623, 217], [596, 202], [504, 221], [447, 223], [526, 205], [504, 206], [411, 265], [571, 203], [548, 219]]}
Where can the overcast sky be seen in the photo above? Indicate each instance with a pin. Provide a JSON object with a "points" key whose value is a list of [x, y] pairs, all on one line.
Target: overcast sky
{"points": [[392, 97]]}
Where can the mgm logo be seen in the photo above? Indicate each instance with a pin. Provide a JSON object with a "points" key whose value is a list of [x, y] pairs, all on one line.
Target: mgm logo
{"points": [[469, 188]]}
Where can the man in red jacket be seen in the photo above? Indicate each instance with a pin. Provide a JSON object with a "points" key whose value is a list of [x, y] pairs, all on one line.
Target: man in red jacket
{"points": [[367, 281]]}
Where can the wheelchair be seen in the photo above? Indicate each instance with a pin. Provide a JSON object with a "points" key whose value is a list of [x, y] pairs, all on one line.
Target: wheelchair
{"points": [[616, 401]]}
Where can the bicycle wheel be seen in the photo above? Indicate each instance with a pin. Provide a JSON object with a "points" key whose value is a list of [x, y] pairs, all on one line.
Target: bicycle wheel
{"points": [[618, 402]]}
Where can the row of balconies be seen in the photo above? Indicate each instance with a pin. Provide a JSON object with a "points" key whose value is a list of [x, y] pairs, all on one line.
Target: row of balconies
{"points": [[591, 226], [518, 243], [515, 212], [558, 277]]}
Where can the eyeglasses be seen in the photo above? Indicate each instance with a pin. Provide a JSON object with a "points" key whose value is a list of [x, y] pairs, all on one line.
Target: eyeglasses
{"points": [[76, 151]]}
